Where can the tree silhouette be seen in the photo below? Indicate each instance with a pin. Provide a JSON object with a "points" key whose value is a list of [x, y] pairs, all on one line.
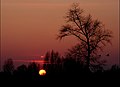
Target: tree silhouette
{"points": [[53, 62], [33, 69], [52, 57], [47, 57], [8, 66], [78, 54], [91, 33], [22, 70]]}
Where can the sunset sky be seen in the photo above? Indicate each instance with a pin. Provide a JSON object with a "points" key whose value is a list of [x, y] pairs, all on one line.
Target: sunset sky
{"points": [[30, 27]]}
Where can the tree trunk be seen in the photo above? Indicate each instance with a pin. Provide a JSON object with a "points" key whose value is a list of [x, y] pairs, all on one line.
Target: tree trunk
{"points": [[88, 56]]}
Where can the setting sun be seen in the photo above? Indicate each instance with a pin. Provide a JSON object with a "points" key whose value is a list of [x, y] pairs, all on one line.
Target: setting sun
{"points": [[42, 72]]}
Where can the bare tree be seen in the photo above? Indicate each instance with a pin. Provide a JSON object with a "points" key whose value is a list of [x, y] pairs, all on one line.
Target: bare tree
{"points": [[91, 33]]}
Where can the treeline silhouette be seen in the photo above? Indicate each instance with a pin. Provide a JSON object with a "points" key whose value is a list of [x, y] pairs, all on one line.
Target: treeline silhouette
{"points": [[60, 70]]}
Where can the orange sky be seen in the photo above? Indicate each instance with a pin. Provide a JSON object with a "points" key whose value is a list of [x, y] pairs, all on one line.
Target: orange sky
{"points": [[29, 27]]}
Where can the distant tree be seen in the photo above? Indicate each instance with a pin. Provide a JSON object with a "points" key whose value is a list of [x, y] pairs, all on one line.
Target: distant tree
{"points": [[76, 53], [33, 69], [91, 33], [53, 62], [114, 67], [70, 65], [22, 69], [8, 66], [52, 57], [47, 57]]}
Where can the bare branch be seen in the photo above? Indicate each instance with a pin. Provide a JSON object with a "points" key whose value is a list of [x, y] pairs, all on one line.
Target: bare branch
{"points": [[91, 33]]}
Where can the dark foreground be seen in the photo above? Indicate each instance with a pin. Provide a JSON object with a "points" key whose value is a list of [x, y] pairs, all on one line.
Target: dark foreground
{"points": [[62, 79]]}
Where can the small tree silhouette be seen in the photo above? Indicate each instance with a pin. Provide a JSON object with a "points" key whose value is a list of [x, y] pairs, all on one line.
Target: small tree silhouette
{"points": [[91, 33], [8, 66], [33, 69], [22, 70]]}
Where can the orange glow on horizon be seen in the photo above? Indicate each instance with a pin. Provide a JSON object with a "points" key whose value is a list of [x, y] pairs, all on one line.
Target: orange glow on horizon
{"points": [[36, 61]]}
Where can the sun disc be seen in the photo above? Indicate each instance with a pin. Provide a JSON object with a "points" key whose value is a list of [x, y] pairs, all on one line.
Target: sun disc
{"points": [[42, 72]]}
